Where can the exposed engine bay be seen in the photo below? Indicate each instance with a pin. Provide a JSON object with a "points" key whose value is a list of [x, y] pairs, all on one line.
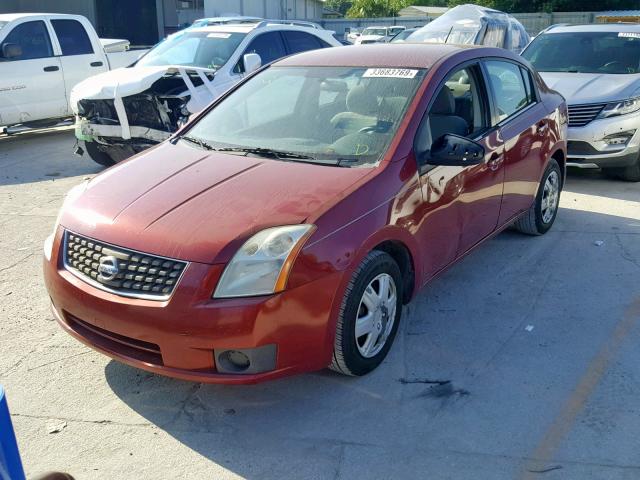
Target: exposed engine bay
{"points": [[122, 126]]}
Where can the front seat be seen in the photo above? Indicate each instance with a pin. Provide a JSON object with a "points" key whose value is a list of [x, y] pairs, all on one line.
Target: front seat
{"points": [[443, 118]]}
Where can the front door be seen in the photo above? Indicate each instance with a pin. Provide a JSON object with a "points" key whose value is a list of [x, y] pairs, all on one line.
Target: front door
{"points": [[31, 81], [461, 205]]}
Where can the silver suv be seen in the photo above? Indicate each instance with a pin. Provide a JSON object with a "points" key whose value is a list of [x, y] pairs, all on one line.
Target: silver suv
{"points": [[597, 69]]}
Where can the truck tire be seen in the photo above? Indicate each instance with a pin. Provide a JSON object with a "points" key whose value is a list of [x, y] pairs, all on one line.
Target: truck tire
{"points": [[541, 215], [97, 155]]}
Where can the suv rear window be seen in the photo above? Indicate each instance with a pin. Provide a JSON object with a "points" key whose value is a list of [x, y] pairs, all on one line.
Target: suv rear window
{"points": [[585, 52], [301, 41]]}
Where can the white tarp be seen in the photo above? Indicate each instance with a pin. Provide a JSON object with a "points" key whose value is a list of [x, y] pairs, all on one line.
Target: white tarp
{"points": [[474, 25]]}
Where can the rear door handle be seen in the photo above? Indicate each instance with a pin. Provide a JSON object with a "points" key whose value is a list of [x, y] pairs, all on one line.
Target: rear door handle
{"points": [[96, 64], [495, 161], [541, 128], [51, 68]]}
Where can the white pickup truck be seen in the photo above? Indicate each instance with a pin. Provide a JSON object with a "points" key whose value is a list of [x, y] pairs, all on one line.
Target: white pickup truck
{"points": [[42, 57]]}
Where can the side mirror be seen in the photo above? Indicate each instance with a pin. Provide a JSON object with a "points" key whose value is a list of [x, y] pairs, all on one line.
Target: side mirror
{"points": [[11, 50], [252, 62], [454, 150]]}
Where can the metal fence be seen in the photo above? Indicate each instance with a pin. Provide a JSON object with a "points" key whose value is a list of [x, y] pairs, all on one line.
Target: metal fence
{"points": [[533, 22]]}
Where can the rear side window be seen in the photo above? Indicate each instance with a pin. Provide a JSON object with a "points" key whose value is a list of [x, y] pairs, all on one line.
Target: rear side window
{"points": [[301, 41], [32, 39], [508, 86], [269, 46], [72, 37]]}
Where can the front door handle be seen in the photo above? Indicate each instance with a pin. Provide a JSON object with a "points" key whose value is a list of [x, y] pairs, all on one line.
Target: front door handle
{"points": [[96, 64], [495, 161], [51, 68]]}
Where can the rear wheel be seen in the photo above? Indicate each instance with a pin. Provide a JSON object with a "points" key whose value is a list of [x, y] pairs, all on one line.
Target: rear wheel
{"points": [[97, 155], [541, 215], [369, 316]]}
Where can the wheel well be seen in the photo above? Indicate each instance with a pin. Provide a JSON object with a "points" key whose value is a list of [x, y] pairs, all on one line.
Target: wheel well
{"points": [[558, 155], [400, 253]]}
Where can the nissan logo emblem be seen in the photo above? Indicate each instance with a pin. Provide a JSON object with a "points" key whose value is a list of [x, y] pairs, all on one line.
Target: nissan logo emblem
{"points": [[108, 268]]}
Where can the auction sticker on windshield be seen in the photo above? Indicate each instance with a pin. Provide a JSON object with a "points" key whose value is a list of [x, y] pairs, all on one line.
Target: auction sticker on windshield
{"points": [[390, 73]]}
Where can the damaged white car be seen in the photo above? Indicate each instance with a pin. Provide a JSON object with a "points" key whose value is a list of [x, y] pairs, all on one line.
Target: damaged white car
{"points": [[125, 111]]}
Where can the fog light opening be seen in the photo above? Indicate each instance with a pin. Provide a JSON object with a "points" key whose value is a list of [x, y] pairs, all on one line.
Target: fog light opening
{"points": [[621, 138], [235, 361]]}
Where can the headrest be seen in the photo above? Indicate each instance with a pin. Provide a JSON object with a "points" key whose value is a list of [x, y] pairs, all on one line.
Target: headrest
{"points": [[362, 102], [444, 104]]}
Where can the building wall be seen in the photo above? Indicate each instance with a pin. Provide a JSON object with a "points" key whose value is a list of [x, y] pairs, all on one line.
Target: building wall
{"points": [[274, 9], [76, 7]]}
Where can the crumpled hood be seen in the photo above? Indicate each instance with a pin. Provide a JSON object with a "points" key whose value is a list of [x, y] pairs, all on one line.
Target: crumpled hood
{"points": [[578, 88], [122, 82], [186, 203]]}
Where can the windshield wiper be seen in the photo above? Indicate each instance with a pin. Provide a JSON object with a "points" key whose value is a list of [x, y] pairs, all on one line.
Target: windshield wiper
{"points": [[198, 141], [281, 155]]}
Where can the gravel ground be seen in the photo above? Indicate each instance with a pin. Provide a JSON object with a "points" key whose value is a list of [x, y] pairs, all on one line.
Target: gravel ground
{"points": [[519, 362]]}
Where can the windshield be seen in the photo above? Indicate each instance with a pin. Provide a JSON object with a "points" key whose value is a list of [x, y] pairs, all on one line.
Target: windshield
{"points": [[585, 52], [458, 35], [375, 31], [342, 116], [194, 49], [402, 36]]}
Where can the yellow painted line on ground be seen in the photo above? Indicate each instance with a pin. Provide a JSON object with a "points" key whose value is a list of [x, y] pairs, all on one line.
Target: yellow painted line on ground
{"points": [[564, 421]]}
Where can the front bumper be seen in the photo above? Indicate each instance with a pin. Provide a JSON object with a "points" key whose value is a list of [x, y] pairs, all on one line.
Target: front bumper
{"points": [[180, 337], [586, 148]]}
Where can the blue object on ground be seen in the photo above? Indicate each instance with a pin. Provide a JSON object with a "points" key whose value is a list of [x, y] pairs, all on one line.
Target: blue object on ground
{"points": [[10, 463]]}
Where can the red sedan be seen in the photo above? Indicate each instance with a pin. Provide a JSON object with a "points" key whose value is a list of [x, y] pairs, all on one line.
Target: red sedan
{"points": [[283, 229]]}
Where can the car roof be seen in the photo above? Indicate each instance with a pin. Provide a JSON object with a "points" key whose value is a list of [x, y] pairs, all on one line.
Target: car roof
{"points": [[597, 27], [249, 27], [398, 55], [9, 17]]}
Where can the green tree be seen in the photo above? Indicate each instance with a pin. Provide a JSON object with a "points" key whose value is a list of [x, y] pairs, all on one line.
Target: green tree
{"points": [[340, 6]]}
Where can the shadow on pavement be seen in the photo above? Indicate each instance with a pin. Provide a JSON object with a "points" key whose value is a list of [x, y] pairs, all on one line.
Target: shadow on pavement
{"points": [[459, 388], [36, 156]]}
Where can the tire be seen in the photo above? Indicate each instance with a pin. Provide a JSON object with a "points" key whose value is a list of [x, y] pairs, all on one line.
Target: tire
{"points": [[538, 219], [631, 173], [97, 155], [358, 356]]}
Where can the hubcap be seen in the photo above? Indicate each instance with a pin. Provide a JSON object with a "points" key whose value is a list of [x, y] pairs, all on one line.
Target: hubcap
{"points": [[376, 315], [550, 196]]}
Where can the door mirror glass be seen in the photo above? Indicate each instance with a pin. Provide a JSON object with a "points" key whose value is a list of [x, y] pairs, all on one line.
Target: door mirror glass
{"points": [[455, 150], [11, 51], [252, 62]]}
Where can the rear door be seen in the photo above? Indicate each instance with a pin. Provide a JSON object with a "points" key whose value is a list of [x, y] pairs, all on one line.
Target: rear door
{"points": [[31, 82], [298, 41], [520, 118], [79, 57], [461, 205]]}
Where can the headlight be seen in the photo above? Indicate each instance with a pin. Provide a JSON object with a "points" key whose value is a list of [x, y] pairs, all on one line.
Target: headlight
{"points": [[620, 108], [262, 264], [71, 195]]}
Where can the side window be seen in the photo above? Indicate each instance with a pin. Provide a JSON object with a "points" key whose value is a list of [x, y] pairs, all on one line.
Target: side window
{"points": [[459, 108], [268, 45], [508, 88], [28, 41], [301, 41], [72, 37]]}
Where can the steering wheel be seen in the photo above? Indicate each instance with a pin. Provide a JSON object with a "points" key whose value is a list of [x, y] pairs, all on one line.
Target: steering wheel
{"points": [[369, 129], [217, 62]]}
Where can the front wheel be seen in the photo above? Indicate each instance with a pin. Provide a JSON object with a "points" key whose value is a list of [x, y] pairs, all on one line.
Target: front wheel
{"points": [[541, 215], [369, 315], [629, 174], [97, 155]]}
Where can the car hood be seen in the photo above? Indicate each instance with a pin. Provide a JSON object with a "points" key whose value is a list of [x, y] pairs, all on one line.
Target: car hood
{"points": [[578, 88], [123, 82], [185, 203], [370, 37]]}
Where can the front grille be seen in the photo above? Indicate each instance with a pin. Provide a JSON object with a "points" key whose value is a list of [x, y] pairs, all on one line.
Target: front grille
{"points": [[120, 270], [581, 115]]}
